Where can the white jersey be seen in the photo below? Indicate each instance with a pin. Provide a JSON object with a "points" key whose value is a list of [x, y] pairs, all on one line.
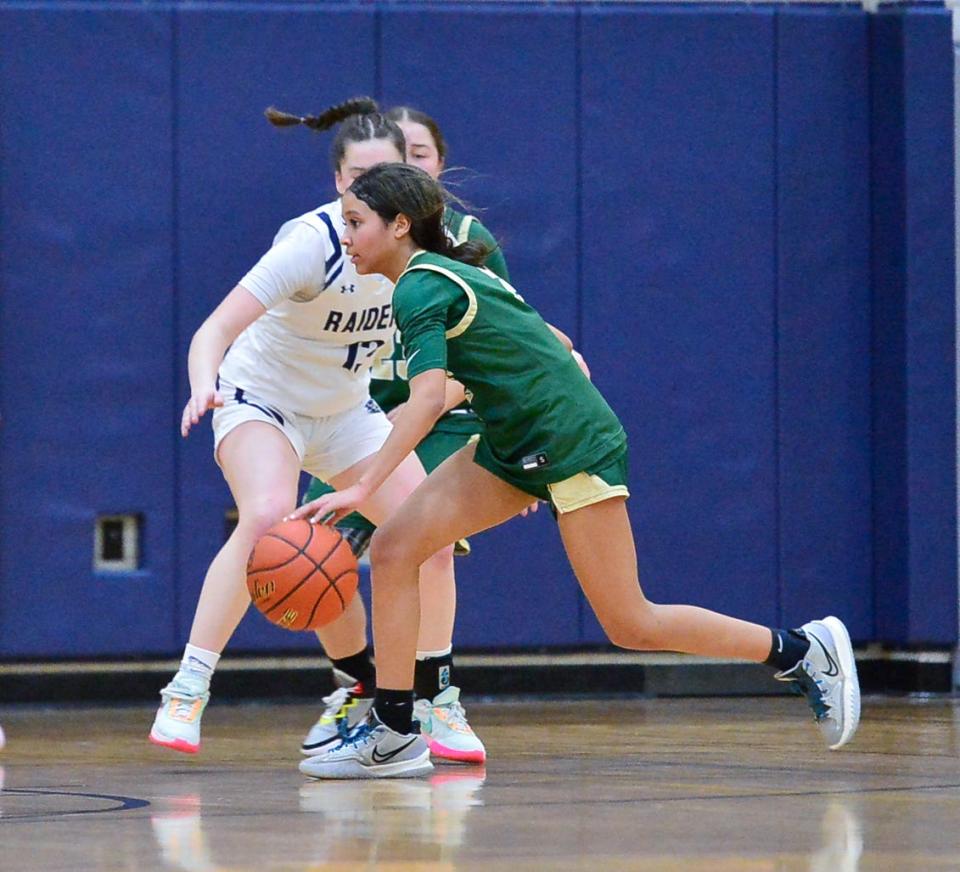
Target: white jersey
{"points": [[312, 350]]}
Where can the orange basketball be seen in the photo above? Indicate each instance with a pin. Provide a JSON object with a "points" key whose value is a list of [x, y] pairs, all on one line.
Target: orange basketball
{"points": [[302, 575]]}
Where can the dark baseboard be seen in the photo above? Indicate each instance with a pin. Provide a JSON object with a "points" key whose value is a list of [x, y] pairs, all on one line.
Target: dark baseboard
{"points": [[518, 674]]}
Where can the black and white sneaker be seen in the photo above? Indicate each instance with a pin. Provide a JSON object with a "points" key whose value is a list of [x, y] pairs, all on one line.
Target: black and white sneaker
{"points": [[372, 750], [827, 676]]}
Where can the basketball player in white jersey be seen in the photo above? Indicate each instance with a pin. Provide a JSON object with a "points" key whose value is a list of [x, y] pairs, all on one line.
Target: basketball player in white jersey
{"points": [[284, 363]]}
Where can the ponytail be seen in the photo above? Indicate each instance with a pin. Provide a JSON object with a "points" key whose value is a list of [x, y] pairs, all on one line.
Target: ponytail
{"points": [[360, 121], [326, 119]]}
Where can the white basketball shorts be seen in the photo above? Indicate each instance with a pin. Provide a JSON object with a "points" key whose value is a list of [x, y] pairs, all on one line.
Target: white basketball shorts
{"points": [[326, 446]]}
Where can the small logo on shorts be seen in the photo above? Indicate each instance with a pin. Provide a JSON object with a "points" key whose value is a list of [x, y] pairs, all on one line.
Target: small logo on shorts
{"points": [[535, 461], [372, 407]]}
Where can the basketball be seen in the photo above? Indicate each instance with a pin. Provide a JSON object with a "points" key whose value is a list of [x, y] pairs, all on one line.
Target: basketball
{"points": [[302, 576]]}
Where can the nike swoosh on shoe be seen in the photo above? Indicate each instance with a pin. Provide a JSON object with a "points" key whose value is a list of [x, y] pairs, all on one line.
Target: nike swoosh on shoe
{"points": [[833, 669], [383, 758]]}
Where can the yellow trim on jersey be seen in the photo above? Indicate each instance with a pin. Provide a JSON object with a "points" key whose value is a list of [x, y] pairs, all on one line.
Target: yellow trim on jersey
{"points": [[463, 234], [583, 489], [471, 312]]}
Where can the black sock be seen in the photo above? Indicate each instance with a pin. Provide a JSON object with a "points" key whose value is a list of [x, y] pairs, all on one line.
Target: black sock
{"points": [[432, 676], [395, 709], [787, 649], [360, 668]]}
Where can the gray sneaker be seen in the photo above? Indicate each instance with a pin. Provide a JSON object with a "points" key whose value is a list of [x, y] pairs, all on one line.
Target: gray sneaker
{"points": [[372, 750], [343, 710], [827, 676]]}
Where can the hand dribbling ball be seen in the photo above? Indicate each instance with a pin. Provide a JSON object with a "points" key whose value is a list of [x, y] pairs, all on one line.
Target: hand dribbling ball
{"points": [[302, 576]]}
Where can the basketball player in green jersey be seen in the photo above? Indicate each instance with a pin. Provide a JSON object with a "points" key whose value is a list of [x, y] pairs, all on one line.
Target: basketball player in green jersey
{"points": [[438, 708], [426, 148], [548, 434]]}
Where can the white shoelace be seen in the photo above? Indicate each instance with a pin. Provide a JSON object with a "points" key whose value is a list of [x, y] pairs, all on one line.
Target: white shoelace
{"points": [[457, 716]]}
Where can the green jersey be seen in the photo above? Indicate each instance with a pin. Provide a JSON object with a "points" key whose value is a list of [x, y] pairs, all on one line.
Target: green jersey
{"points": [[544, 421], [465, 228], [389, 385]]}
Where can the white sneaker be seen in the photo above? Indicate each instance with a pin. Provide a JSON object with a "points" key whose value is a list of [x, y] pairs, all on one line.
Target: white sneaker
{"points": [[177, 724], [372, 750], [343, 711], [443, 723], [827, 676]]}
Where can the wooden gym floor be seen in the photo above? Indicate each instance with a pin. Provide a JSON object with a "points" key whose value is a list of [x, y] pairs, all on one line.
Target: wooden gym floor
{"points": [[700, 784]]}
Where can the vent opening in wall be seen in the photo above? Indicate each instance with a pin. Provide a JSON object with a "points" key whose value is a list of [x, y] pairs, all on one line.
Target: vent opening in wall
{"points": [[116, 545]]}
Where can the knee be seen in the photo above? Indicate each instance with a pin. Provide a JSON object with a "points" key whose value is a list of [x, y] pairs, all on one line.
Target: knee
{"points": [[637, 630], [388, 550], [262, 513], [391, 548]]}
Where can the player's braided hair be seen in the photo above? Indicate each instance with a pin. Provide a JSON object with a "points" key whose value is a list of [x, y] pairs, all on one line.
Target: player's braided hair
{"points": [[360, 121], [393, 188]]}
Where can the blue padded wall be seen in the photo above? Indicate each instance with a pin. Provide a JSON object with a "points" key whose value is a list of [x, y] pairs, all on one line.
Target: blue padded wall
{"points": [[742, 214], [931, 326], [87, 339], [913, 274], [506, 100], [238, 180], [890, 520], [677, 240], [823, 316]]}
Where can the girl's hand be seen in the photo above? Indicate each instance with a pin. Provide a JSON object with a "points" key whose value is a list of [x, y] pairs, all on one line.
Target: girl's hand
{"points": [[533, 507], [394, 413], [196, 408], [330, 508]]}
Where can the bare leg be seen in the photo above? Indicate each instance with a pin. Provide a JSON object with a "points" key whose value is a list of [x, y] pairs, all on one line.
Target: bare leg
{"points": [[438, 592], [630, 620], [347, 635], [262, 470], [458, 499]]}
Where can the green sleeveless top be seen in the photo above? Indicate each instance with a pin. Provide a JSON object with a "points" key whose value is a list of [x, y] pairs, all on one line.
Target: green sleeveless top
{"points": [[544, 419]]}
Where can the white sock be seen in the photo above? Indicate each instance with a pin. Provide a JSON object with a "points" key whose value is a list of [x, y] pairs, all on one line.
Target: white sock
{"points": [[426, 655], [199, 660]]}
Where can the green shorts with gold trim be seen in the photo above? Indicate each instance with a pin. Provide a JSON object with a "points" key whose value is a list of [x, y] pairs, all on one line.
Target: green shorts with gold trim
{"points": [[604, 480]]}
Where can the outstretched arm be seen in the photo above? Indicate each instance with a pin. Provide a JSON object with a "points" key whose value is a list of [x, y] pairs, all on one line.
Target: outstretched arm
{"points": [[427, 393], [238, 310]]}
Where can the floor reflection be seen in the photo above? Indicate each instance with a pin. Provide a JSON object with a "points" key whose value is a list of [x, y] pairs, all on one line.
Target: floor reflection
{"points": [[349, 822], [842, 838], [688, 786]]}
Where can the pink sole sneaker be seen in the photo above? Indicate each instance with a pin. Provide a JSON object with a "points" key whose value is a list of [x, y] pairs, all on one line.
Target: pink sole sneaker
{"points": [[175, 744], [453, 755]]}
